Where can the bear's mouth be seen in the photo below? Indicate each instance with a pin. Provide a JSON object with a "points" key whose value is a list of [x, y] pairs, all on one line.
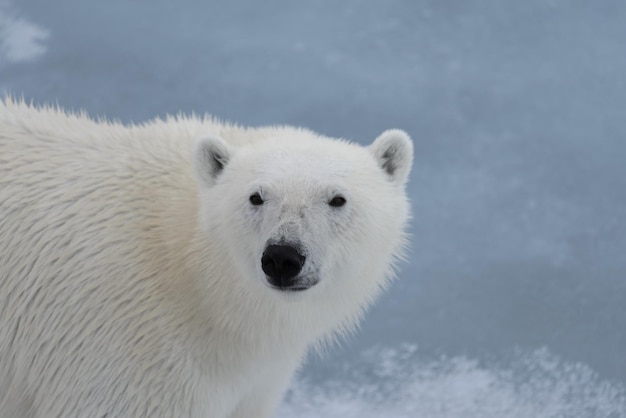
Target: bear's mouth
{"points": [[300, 287], [294, 288]]}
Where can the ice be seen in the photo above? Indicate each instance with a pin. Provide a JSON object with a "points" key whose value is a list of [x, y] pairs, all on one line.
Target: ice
{"points": [[398, 383]]}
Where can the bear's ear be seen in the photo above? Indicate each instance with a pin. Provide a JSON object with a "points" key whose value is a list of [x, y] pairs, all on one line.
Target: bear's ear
{"points": [[393, 150], [210, 154]]}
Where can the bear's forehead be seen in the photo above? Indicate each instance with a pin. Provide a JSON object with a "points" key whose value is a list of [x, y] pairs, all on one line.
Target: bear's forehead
{"points": [[309, 170], [301, 166], [307, 157]]}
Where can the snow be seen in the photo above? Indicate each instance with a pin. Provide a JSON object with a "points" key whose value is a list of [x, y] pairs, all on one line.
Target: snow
{"points": [[396, 383]]}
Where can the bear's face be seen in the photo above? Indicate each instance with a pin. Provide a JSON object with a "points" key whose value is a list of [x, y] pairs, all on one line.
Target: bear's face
{"points": [[306, 212]]}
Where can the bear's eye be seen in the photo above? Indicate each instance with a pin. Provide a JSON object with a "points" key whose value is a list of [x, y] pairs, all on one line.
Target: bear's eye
{"points": [[337, 201], [256, 199]]}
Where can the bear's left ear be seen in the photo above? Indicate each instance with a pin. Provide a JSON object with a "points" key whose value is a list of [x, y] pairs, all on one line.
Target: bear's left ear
{"points": [[210, 155], [393, 150]]}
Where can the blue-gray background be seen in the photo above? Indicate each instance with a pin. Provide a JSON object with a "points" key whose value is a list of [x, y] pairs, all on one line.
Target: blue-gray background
{"points": [[518, 112]]}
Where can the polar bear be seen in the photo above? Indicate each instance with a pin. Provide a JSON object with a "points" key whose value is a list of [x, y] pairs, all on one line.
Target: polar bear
{"points": [[184, 267]]}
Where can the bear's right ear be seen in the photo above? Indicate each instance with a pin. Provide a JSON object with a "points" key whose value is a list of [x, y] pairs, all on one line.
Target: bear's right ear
{"points": [[210, 154], [393, 150]]}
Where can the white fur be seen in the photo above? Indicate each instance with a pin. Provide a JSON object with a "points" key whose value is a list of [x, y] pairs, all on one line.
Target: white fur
{"points": [[130, 278]]}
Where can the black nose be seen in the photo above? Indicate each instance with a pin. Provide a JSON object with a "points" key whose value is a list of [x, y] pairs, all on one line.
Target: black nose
{"points": [[281, 263]]}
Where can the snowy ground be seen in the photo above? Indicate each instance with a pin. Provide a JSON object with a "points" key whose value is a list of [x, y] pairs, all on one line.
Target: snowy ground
{"points": [[396, 383], [515, 291]]}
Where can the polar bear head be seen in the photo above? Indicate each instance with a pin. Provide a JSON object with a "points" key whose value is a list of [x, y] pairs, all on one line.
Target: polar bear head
{"points": [[299, 213]]}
